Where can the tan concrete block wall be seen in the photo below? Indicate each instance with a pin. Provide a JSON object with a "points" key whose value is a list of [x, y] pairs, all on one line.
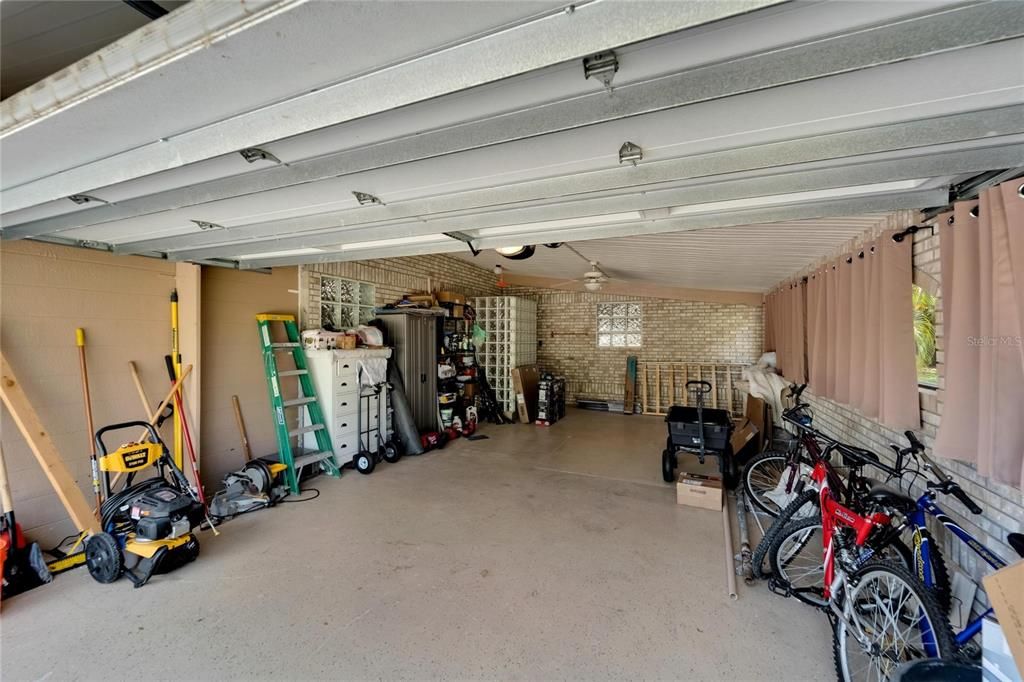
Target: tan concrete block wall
{"points": [[681, 331], [233, 364], [1003, 504], [394, 277], [46, 291]]}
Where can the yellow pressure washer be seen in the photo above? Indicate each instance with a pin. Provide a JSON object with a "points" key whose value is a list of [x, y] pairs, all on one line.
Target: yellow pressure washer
{"points": [[146, 526]]}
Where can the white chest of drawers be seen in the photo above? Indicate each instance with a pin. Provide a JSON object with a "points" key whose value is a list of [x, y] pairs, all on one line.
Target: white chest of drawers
{"points": [[335, 375]]}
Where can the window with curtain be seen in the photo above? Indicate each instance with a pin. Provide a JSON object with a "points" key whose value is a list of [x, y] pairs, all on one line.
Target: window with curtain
{"points": [[860, 332], [784, 329], [981, 245]]}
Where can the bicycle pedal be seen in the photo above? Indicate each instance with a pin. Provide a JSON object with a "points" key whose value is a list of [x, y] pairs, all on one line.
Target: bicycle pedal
{"points": [[779, 587]]}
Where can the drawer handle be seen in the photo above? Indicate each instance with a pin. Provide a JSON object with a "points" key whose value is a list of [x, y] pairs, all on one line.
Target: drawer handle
{"points": [[344, 425], [344, 445]]}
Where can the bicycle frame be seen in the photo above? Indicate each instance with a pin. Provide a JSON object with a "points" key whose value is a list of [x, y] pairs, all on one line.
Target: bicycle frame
{"points": [[833, 516], [922, 553]]}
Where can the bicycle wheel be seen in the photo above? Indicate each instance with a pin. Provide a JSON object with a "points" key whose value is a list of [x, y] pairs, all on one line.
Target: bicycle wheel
{"points": [[762, 477], [796, 558], [804, 506], [890, 619]]}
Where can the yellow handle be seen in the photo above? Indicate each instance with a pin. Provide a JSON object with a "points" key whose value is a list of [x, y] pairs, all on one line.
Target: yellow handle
{"points": [[80, 337]]}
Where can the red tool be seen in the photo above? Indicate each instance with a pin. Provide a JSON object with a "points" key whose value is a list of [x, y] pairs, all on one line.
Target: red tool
{"points": [[180, 409]]}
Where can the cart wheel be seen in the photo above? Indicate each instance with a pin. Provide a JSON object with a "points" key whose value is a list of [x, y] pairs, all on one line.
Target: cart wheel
{"points": [[391, 452], [668, 471], [365, 462], [727, 467], [103, 558]]}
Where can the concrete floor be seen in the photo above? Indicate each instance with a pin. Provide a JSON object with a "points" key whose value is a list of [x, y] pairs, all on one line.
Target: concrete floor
{"points": [[540, 553]]}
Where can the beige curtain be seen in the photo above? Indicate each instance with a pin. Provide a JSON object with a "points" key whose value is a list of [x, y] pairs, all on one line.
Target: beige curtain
{"points": [[861, 332], [983, 326], [784, 329]]}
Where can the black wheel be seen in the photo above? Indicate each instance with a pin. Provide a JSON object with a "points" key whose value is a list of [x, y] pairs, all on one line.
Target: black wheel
{"points": [[103, 558], [192, 547], [668, 470], [391, 452], [762, 477], [796, 558], [805, 505], [896, 620], [365, 462]]}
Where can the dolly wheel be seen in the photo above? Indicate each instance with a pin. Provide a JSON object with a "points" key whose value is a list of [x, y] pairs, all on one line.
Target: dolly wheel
{"points": [[391, 452], [365, 462], [668, 470], [103, 558]]}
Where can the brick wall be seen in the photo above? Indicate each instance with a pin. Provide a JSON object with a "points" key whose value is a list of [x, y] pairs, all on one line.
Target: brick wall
{"points": [[1003, 504], [394, 277], [683, 331]]}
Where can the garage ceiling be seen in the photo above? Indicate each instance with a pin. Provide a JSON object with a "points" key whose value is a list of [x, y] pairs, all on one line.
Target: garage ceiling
{"points": [[386, 129]]}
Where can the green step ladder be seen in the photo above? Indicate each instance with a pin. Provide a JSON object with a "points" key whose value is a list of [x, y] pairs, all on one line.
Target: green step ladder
{"points": [[324, 454]]}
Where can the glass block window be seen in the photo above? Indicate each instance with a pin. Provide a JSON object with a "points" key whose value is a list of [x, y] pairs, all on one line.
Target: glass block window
{"points": [[619, 325], [344, 303]]}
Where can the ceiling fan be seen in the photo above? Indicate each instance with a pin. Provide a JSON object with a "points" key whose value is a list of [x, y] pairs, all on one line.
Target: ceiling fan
{"points": [[594, 278]]}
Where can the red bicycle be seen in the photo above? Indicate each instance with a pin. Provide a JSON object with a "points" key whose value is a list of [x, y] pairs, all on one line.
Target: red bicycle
{"points": [[882, 615]]}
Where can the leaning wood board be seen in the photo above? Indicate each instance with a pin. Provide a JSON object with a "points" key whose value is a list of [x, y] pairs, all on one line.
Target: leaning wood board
{"points": [[45, 451]]}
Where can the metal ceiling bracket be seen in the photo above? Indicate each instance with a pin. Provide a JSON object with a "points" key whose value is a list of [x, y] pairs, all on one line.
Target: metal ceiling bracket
{"points": [[465, 239], [203, 225], [365, 199], [254, 154], [85, 199], [630, 152], [601, 66]]}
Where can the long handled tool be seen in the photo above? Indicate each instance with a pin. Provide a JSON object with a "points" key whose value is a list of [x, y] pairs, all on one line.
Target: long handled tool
{"points": [[241, 428], [179, 409], [176, 360], [24, 567], [87, 399]]}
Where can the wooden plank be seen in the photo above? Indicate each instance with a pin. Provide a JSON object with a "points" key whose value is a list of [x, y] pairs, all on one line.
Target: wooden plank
{"points": [[686, 377], [629, 395], [728, 390], [644, 384], [657, 387], [45, 451], [714, 386]]}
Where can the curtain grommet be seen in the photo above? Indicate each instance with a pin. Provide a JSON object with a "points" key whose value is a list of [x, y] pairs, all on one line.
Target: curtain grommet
{"points": [[974, 212], [1020, 191]]}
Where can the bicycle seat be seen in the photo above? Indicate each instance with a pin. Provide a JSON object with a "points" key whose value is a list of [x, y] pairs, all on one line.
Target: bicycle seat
{"points": [[893, 499], [858, 455]]}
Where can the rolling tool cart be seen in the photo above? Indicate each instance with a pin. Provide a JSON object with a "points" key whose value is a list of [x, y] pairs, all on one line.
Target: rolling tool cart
{"points": [[699, 431], [370, 422]]}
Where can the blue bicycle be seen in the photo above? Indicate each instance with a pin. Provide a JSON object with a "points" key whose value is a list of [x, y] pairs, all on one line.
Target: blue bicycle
{"points": [[928, 563]]}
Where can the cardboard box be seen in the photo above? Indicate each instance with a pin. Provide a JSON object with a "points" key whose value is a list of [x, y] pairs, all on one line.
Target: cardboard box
{"points": [[699, 490], [743, 434], [524, 383], [1005, 590]]}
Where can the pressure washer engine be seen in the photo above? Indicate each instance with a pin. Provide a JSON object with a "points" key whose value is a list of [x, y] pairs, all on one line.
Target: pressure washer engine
{"points": [[147, 526]]}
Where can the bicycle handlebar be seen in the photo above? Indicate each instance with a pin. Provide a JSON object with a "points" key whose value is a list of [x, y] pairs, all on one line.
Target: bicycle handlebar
{"points": [[945, 484]]}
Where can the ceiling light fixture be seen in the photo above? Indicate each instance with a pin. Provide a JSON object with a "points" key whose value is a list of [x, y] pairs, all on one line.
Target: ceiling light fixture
{"points": [[516, 252]]}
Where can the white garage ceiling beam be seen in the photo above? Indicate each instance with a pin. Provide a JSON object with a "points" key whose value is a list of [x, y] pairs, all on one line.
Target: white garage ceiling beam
{"points": [[910, 135], [1002, 152], [957, 27], [821, 209], [576, 32]]}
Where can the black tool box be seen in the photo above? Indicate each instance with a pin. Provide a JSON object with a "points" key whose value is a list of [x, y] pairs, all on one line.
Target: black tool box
{"points": [[550, 400]]}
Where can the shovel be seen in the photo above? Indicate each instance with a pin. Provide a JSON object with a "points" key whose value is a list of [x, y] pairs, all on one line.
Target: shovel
{"points": [[24, 566]]}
